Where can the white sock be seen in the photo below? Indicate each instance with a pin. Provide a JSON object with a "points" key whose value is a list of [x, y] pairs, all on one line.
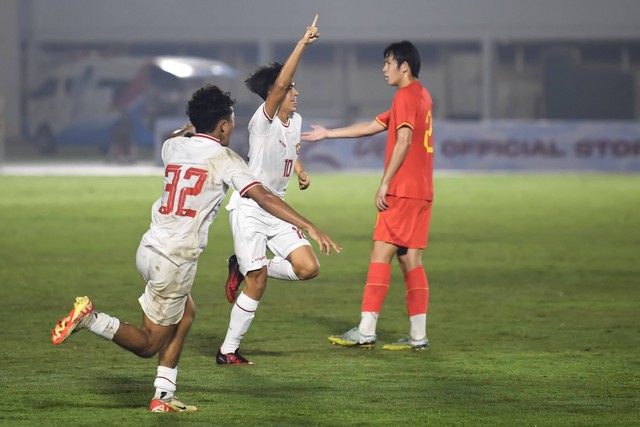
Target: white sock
{"points": [[418, 327], [242, 315], [368, 323], [280, 268], [101, 324], [165, 382]]}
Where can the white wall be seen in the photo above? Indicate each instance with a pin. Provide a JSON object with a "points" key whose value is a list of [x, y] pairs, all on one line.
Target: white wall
{"points": [[265, 22], [357, 20]]}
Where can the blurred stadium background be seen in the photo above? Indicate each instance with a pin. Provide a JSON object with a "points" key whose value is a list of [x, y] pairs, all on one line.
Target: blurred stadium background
{"points": [[517, 85]]}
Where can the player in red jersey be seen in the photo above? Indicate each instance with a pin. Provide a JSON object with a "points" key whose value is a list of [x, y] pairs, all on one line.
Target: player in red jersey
{"points": [[403, 199]]}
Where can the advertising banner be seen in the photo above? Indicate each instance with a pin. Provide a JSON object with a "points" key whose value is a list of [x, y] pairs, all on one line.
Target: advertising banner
{"points": [[495, 146]]}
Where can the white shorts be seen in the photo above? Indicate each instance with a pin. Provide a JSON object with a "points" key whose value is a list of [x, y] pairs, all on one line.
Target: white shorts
{"points": [[254, 230], [168, 286]]}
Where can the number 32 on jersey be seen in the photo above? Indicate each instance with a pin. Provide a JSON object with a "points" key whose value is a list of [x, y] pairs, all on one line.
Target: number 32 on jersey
{"points": [[178, 178]]}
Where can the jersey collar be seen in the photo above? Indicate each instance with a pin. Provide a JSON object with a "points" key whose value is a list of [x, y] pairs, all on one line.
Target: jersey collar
{"points": [[202, 135]]}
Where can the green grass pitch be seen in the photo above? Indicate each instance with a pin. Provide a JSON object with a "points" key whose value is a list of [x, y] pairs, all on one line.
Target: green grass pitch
{"points": [[534, 312]]}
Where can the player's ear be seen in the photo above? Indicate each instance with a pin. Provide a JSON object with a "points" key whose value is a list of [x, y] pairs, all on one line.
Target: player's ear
{"points": [[223, 126]]}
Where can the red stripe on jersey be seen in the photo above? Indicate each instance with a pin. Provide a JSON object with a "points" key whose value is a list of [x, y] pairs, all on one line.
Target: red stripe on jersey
{"points": [[265, 113], [249, 187], [208, 137]]}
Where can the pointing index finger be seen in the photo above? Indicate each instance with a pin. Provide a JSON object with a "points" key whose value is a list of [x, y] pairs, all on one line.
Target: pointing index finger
{"points": [[313, 24]]}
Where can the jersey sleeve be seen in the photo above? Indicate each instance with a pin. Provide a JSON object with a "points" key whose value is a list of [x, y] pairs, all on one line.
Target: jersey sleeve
{"points": [[237, 174], [404, 109], [168, 147], [383, 118], [260, 121]]}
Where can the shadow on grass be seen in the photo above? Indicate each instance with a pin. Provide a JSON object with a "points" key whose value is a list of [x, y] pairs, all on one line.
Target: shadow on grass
{"points": [[203, 343], [207, 345], [117, 391], [126, 391]]}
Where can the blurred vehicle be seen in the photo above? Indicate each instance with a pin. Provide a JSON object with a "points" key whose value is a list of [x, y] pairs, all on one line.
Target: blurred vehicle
{"points": [[113, 103]]}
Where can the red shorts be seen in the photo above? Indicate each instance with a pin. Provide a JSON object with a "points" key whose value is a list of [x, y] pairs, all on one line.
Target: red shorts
{"points": [[405, 223]]}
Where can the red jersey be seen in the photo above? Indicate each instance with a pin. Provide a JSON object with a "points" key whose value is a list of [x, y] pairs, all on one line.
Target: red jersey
{"points": [[411, 107]]}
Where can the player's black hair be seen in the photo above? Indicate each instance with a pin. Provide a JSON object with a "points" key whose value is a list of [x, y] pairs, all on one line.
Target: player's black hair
{"points": [[261, 81], [207, 106], [404, 51]]}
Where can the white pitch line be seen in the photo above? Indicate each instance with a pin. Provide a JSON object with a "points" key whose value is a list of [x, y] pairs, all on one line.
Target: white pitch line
{"points": [[78, 169]]}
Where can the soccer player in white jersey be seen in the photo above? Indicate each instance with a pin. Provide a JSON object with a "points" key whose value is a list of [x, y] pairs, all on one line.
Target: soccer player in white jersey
{"points": [[274, 141], [198, 172]]}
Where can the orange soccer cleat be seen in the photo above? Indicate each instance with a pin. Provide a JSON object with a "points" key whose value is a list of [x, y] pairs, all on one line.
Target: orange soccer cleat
{"points": [[69, 324], [171, 404]]}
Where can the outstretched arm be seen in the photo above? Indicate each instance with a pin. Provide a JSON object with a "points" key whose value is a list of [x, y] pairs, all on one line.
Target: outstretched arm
{"points": [[318, 133], [283, 82], [275, 206]]}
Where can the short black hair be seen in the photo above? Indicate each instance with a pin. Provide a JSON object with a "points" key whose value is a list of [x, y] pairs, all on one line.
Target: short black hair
{"points": [[261, 81], [404, 51], [207, 106]]}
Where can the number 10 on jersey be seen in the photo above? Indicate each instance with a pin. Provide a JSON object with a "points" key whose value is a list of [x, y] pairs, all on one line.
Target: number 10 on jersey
{"points": [[288, 165]]}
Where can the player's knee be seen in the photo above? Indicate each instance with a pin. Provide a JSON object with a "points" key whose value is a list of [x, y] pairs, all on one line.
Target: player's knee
{"points": [[307, 270], [148, 351], [189, 313], [153, 342], [255, 287], [187, 319]]}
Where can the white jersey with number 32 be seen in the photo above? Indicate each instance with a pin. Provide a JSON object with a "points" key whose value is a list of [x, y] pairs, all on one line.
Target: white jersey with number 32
{"points": [[198, 173]]}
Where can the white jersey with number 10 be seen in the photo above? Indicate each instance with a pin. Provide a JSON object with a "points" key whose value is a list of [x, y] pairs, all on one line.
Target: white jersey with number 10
{"points": [[273, 149]]}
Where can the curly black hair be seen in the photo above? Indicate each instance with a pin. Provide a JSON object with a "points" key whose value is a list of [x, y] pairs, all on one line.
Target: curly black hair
{"points": [[207, 106], [263, 78]]}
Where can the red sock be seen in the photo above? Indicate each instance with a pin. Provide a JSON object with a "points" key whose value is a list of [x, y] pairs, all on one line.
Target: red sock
{"points": [[417, 291], [377, 286]]}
